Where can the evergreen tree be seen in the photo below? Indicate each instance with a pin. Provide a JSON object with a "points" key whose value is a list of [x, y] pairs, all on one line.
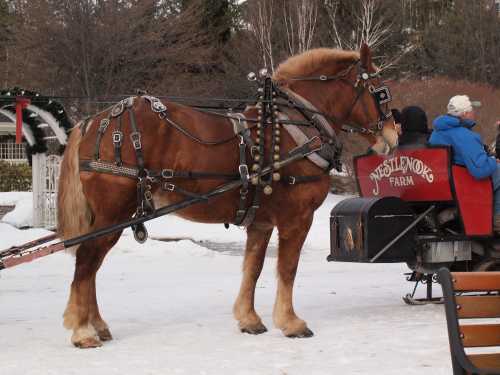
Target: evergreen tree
{"points": [[218, 17]]}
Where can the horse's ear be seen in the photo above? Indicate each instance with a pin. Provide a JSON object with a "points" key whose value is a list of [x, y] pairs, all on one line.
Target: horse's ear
{"points": [[365, 55]]}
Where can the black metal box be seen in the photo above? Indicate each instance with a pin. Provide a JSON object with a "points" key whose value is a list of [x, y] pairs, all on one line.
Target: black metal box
{"points": [[361, 227]]}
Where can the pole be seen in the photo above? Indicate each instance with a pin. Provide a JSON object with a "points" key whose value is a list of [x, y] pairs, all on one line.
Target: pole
{"points": [[21, 103], [22, 254]]}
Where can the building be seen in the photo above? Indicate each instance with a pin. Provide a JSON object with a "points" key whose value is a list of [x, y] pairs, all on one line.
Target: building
{"points": [[9, 150]]}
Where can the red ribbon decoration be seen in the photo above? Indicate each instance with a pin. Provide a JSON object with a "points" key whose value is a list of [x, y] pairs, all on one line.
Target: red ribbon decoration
{"points": [[21, 103]]}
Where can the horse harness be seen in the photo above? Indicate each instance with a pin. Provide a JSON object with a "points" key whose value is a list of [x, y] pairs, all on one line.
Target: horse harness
{"points": [[272, 104]]}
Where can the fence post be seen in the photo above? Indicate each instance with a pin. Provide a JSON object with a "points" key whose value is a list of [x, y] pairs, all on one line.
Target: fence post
{"points": [[45, 179]]}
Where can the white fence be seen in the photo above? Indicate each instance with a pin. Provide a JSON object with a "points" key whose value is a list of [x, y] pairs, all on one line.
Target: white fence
{"points": [[13, 153], [45, 179]]}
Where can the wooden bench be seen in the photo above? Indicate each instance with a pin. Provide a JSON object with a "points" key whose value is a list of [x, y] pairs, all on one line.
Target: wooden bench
{"points": [[468, 296]]}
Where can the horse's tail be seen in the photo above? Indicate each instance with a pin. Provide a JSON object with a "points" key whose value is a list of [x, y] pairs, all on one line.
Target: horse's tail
{"points": [[74, 215]]}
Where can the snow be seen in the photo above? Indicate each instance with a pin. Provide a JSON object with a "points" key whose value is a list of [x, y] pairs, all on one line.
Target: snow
{"points": [[22, 216], [169, 305]]}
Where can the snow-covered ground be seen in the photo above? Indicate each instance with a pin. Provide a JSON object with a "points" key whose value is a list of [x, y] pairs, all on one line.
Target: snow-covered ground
{"points": [[169, 305]]}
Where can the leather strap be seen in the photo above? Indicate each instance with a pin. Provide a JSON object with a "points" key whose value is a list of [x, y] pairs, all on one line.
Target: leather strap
{"points": [[135, 138], [117, 142], [103, 125], [294, 180], [165, 174], [174, 188]]}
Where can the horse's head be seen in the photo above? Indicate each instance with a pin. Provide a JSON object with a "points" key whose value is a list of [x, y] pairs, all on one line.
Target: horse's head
{"points": [[345, 86]]}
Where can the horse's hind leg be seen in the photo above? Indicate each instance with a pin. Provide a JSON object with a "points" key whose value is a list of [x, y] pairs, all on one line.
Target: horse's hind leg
{"points": [[82, 313], [244, 310], [292, 235], [96, 320]]}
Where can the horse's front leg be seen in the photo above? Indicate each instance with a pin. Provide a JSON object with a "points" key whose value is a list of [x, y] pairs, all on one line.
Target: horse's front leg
{"points": [[244, 310], [292, 235]]}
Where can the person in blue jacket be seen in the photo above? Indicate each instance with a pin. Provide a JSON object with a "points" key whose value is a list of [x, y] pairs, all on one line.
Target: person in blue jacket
{"points": [[455, 129]]}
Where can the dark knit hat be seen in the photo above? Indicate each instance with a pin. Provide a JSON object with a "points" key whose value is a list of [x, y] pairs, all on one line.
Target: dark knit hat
{"points": [[414, 119]]}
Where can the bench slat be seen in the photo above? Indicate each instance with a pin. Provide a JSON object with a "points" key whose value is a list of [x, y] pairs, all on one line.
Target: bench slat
{"points": [[478, 306], [476, 281], [480, 335], [490, 361]]}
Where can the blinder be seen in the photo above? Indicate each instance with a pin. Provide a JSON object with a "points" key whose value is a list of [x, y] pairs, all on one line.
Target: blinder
{"points": [[381, 94]]}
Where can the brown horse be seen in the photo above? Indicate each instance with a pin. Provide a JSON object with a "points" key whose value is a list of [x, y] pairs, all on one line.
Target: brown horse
{"points": [[338, 84]]}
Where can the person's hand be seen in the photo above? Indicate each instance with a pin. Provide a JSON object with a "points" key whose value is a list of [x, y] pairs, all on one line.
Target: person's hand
{"points": [[497, 123]]}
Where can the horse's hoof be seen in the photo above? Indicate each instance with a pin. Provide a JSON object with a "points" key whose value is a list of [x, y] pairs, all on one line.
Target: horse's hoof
{"points": [[300, 335], [105, 335], [88, 343], [256, 329]]}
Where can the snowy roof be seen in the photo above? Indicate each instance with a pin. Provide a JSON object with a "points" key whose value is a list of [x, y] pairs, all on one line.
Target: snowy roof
{"points": [[6, 126], [4, 118]]}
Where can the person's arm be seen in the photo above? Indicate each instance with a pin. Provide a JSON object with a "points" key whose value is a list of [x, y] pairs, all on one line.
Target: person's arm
{"points": [[477, 161]]}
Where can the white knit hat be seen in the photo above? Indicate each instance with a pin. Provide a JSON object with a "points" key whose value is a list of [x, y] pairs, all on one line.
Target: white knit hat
{"points": [[460, 104]]}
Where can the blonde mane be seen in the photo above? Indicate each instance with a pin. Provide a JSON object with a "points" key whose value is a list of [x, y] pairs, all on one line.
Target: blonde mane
{"points": [[309, 62]]}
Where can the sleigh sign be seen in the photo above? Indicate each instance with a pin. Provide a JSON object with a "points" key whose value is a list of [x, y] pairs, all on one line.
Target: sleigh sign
{"points": [[412, 174]]}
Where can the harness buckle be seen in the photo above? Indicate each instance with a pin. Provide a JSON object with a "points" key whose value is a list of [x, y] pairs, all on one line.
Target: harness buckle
{"points": [[168, 187], [167, 173], [103, 125], [118, 109], [292, 180], [117, 137], [243, 169], [254, 150], [158, 107], [323, 78], [135, 137]]}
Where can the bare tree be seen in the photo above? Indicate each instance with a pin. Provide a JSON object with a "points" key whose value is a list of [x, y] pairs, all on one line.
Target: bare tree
{"points": [[300, 19], [370, 26], [261, 26], [332, 7]]}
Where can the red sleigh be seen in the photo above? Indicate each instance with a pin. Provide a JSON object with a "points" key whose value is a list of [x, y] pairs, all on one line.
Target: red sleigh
{"points": [[415, 206], [425, 175]]}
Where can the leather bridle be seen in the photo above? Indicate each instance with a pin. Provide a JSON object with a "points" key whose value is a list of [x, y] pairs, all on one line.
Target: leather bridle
{"points": [[364, 81]]}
